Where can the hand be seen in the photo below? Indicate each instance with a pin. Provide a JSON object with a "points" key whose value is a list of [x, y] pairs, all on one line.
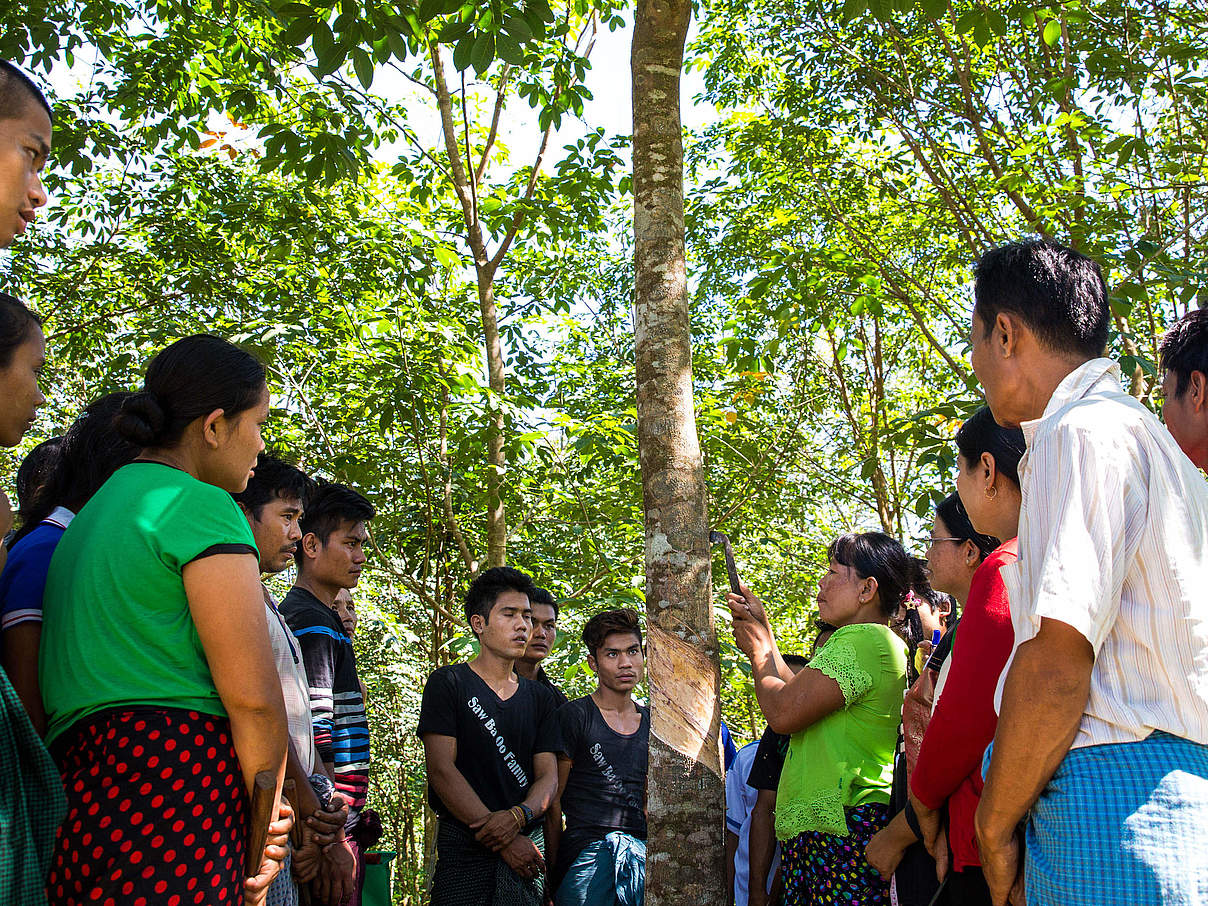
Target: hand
{"points": [[307, 858], [1002, 866], [941, 855], [276, 848], [523, 857], [752, 634], [929, 823], [884, 852], [337, 874], [327, 823], [496, 830]]}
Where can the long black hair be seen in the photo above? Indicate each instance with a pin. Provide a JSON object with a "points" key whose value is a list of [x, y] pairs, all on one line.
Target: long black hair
{"points": [[187, 380], [982, 434], [91, 451], [952, 513]]}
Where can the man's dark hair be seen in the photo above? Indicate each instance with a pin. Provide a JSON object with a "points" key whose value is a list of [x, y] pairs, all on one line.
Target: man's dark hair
{"points": [[797, 660], [952, 513], [17, 323], [1184, 348], [16, 91], [610, 622], [485, 590], [543, 596], [274, 479], [1057, 292], [982, 434], [328, 506], [89, 453]]}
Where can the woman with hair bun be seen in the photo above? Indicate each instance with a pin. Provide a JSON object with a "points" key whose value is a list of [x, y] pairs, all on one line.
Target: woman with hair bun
{"points": [[948, 773], [843, 712], [161, 695]]}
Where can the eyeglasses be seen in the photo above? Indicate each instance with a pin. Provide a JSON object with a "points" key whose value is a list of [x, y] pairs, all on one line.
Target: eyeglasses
{"points": [[928, 540]]}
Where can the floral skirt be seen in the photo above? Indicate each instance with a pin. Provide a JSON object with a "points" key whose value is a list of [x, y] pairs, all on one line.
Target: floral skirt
{"points": [[156, 811], [825, 870]]}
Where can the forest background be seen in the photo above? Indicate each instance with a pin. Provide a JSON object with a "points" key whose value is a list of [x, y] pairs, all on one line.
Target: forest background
{"points": [[420, 217]]}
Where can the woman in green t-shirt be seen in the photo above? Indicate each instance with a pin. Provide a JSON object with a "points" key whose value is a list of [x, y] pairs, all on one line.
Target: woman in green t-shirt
{"points": [[843, 712], [162, 698]]}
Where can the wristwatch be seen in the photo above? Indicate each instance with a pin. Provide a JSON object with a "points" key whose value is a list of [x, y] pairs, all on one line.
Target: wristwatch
{"points": [[528, 814]]}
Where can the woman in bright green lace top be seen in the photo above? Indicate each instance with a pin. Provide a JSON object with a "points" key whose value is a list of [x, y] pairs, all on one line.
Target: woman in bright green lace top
{"points": [[843, 713]]}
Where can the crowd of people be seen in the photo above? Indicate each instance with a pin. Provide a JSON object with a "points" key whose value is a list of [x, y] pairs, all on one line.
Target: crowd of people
{"points": [[1020, 715]]}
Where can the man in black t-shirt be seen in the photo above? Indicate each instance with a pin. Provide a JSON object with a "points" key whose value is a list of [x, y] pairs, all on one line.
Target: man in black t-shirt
{"points": [[601, 856], [489, 743], [545, 633]]}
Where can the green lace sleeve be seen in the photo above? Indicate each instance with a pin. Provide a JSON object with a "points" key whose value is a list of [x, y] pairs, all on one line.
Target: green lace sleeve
{"points": [[838, 660]]}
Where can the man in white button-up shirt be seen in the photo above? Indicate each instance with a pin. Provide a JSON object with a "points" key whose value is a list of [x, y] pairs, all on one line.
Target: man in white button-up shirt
{"points": [[1103, 726]]}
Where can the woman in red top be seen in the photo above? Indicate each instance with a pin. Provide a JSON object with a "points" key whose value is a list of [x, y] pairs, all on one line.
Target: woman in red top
{"points": [[948, 771]]}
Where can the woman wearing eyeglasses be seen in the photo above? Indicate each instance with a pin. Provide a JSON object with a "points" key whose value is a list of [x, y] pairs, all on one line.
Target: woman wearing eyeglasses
{"points": [[948, 771]]}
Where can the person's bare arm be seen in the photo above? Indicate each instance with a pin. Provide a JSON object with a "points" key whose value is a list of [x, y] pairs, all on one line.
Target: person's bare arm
{"points": [[440, 753], [731, 852], [20, 659], [553, 815], [1043, 700], [761, 847], [545, 783], [227, 607]]}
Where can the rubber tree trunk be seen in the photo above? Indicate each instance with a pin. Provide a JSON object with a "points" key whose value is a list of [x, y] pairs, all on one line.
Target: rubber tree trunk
{"points": [[684, 800]]}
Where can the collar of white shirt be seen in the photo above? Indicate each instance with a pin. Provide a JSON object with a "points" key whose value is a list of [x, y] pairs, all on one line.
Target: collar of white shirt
{"points": [[1073, 387]]}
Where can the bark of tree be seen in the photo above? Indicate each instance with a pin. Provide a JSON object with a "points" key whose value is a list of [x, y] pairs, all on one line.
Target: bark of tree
{"points": [[684, 787]]}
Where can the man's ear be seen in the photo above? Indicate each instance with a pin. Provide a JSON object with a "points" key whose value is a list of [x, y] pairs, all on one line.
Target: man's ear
{"points": [[310, 545], [1006, 334], [1197, 391], [478, 627], [591, 662]]}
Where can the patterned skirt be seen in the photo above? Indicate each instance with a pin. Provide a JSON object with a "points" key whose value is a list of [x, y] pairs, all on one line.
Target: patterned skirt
{"points": [[156, 811], [825, 870]]}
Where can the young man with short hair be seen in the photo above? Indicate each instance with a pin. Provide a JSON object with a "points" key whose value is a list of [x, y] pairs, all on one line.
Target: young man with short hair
{"points": [[272, 503], [32, 803], [489, 749], [330, 556], [541, 642], [601, 856], [1184, 355], [1102, 740]]}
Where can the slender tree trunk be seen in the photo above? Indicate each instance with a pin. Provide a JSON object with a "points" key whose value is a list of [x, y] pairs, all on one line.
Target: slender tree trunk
{"points": [[684, 798]]}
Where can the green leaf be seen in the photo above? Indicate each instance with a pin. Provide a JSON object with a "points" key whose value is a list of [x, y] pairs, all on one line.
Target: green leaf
{"points": [[853, 8], [362, 64], [934, 8], [483, 53], [462, 53], [508, 49], [1052, 32]]}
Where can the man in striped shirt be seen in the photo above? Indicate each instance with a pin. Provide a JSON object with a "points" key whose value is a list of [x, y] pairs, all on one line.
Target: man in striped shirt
{"points": [[1102, 739], [330, 557]]}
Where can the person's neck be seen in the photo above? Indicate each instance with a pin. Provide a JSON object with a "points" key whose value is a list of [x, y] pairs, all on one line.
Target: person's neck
{"points": [[495, 670], [1045, 375], [180, 457], [611, 700], [869, 613], [321, 590], [1006, 517], [527, 669]]}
